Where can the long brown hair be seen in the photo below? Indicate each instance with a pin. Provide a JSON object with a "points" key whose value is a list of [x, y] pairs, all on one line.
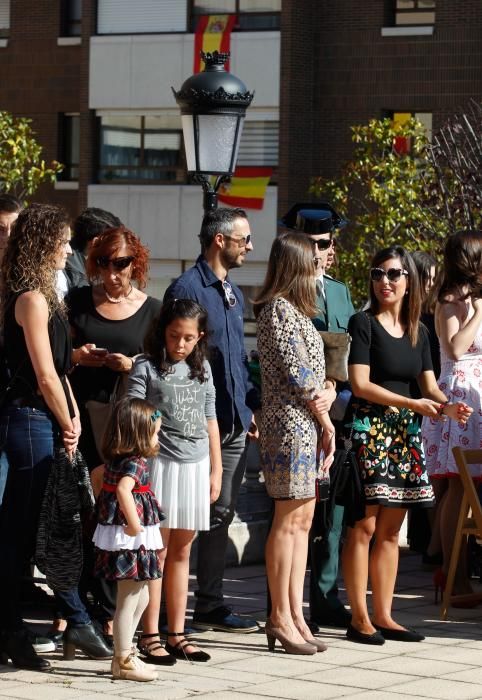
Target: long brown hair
{"points": [[29, 260], [130, 430], [290, 274], [411, 305], [461, 274]]}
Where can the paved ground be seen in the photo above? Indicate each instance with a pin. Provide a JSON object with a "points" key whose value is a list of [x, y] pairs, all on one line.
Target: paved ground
{"points": [[447, 665]]}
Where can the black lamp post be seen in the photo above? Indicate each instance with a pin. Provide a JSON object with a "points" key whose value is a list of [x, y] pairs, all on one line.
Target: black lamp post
{"points": [[213, 106]]}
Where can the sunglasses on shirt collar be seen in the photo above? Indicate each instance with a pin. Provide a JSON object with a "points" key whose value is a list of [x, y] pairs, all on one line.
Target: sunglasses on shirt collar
{"points": [[393, 274], [117, 263], [229, 294]]}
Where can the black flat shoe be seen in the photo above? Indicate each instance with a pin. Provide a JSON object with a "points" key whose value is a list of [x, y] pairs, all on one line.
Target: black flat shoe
{"points": [[177, 649], [86, 639], [18, 648], [147, 648], [407, 635], [362, 638]]}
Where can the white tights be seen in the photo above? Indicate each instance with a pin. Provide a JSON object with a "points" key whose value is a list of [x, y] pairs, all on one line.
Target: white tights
{"points": [[132, 600]]}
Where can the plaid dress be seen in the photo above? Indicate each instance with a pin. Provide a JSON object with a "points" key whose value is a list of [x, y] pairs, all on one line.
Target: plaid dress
{"points": [[117, 555]]}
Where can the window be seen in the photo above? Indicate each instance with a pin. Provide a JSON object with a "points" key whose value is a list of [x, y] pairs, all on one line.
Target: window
{"points": [[413, 12], [71, 18], [4, 18], [141, 16], [252, 14], [69, 146], [141, 149], [402, 144], [259, 144]]}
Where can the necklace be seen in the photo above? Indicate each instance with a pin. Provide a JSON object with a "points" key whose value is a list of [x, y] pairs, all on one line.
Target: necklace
{"points": [[117, 300]]}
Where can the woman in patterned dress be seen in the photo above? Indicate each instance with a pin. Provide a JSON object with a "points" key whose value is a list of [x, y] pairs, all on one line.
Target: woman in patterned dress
{"points": [[296, 433], [389, 349], [458, 320]]}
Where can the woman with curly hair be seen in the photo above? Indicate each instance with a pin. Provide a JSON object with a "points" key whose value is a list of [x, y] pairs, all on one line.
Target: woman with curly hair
{"points": [[109, 322], [38, 413]]}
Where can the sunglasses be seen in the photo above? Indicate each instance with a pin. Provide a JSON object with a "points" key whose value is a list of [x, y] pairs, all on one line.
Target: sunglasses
{"points": [[324, 243], [229, 294], [393, 274], [117, 263], [242, 242]]}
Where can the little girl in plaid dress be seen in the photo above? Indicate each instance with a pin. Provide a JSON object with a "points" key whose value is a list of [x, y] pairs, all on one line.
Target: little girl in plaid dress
{"points": [[128, 537]]}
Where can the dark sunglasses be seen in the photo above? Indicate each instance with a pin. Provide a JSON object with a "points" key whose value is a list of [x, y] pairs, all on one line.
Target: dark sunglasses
{"points": [[324, 243], [117, 263], [393, 274], [242, 242], [229, 294]]}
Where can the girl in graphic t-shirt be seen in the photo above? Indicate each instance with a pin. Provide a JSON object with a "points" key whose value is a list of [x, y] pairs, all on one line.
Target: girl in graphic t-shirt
{"points": [[186, 477]]}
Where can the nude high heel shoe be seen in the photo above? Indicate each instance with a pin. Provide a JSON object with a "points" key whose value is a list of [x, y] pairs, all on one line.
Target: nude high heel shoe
{"points": [[275, 633]]}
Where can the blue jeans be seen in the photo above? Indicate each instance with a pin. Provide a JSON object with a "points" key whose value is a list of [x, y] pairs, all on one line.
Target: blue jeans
{"points": [[213, 543], [27, 435]]}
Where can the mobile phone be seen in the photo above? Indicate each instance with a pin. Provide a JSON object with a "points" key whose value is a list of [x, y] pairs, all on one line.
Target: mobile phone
{"points": [[99, 351]]}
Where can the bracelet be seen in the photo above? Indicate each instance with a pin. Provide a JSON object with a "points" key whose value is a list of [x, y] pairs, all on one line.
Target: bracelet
{"points": [[440, 409]]}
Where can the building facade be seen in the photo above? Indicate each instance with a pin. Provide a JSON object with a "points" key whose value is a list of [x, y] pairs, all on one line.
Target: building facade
{"points": [[96, 75]]}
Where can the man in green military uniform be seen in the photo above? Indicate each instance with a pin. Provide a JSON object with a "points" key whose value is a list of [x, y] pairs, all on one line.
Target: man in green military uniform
{"points": [[320, 222]]}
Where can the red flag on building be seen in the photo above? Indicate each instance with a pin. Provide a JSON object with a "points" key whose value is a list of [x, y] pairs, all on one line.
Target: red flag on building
{"points": [[247, 188], [213, 33]]}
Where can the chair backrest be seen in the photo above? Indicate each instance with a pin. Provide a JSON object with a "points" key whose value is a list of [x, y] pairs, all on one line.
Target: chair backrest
{"points": [[463, 458]]}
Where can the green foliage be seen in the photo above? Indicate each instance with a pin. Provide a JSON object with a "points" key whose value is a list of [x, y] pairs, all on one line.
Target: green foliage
{"points": [[380, 191], [22, 168]]}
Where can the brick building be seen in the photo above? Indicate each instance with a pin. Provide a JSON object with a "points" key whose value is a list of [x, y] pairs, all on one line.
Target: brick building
{"points": [[95, 77]]}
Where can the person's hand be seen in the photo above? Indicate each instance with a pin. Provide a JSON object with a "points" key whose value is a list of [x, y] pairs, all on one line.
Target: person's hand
{"points": [[426, 407], [133, 530], [77, 425], [86, 356], [322, 401], [215, 484], [459, 412], [477, 303], [253, 432], [328, 446], [70, 440], [118, 362]]}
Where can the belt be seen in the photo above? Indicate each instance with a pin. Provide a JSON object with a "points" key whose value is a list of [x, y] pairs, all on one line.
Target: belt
{"points": [[112, 488], [29, 402]]}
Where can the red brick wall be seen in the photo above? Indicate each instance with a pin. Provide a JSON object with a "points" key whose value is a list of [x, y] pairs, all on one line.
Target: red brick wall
{"points": [[341, 72]]}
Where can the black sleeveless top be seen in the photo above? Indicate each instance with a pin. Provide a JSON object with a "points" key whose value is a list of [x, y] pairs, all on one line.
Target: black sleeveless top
{"points": [[23, 384]]}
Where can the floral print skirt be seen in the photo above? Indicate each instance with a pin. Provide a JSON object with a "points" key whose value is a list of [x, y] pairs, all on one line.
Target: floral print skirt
{"points": [[388, 448]]}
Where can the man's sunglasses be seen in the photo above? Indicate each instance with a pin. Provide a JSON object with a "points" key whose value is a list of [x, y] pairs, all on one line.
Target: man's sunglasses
{"points": [[117, 263], [242, 242], [324, 243], [393, 274], [229, 294]]}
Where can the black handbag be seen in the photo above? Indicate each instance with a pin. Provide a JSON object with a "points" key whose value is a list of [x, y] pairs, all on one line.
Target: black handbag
{"points": [[58, 552]]}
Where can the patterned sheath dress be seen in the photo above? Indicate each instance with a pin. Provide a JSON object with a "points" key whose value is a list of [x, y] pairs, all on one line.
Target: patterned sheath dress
{"points": [[292, 372], [118, 555], [460, 380]]}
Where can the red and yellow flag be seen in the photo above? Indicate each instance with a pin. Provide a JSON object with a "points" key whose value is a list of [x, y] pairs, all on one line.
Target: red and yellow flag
{"points": [[213, 33], [247, 188], [401, 144]]}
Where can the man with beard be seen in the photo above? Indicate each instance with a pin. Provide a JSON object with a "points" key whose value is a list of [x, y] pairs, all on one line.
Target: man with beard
{"points": [[225, 241]]}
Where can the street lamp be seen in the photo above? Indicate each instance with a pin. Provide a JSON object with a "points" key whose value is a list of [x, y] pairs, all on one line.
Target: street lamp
{"points": [[213, 105]]}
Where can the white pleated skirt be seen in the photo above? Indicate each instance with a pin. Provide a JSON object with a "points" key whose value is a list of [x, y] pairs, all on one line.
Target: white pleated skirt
{"points": [[182, 490]]}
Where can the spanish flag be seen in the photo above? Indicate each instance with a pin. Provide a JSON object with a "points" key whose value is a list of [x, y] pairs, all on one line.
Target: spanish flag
{"points": [[213, 33], [401, 144], [247, 188]]}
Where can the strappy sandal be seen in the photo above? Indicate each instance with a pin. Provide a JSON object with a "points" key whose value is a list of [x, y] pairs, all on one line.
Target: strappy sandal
{"points": [[147, 649], [178, 650]]}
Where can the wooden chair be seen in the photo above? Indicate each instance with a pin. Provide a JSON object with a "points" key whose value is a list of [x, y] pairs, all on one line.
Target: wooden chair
{"points": [[469, 523]]}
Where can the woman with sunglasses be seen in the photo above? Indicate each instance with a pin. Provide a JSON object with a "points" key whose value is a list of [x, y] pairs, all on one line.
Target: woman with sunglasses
{"points": [[109, 321], [389, 349]]}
